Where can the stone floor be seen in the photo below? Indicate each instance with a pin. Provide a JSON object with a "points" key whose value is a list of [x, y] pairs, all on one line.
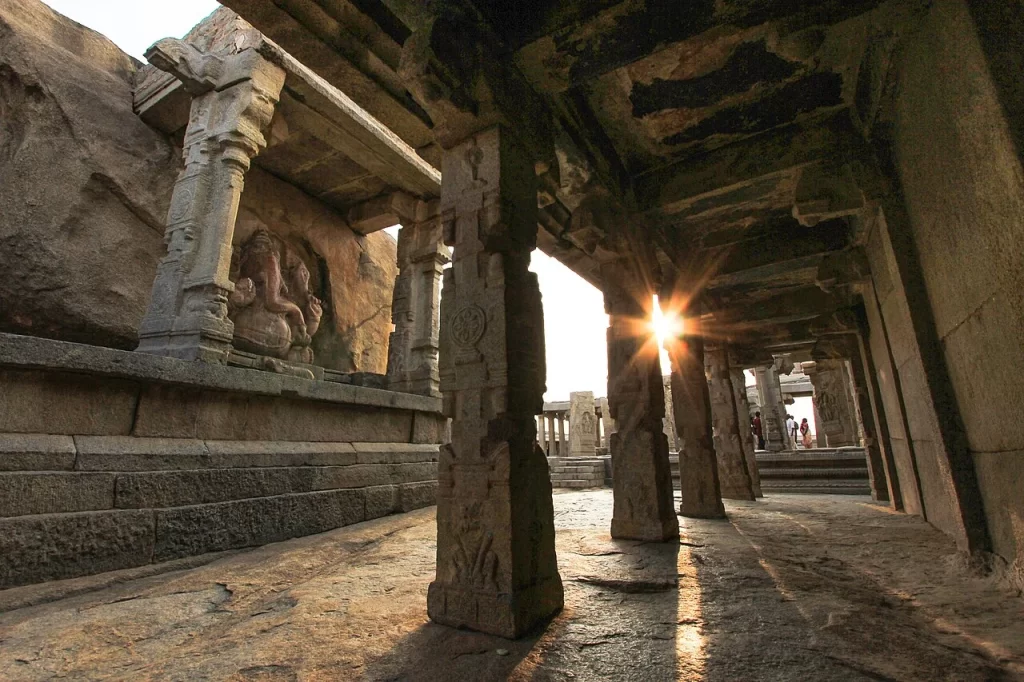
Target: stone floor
{"points": [[790, 588]]}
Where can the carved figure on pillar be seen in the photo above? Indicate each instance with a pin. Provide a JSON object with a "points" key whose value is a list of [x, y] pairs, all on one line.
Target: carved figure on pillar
{"points": [[415, 309], [701, 495], [582, 424], [233, 101], [641, 476], [734, 477], [496, 566], [833, 402]]}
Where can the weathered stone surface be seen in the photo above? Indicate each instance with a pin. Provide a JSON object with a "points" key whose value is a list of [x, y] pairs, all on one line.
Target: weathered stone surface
{"points": [[128, 453], [739, 389], [185, 531], [582, 424], [700, 492], [36, 452], [414, 345], [642, 478], [353, 335], [237, 453], [395, 453], [496, 565], [381, 500], [833, 400], [733, 476], [66, 404], [52, 493], [417, 495], [86, 182], [29, 353], [57, 546], [168, 412]]}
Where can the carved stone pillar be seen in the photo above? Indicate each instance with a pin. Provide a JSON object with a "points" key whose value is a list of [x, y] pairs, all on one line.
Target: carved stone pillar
{"points": [[733, 474], [415, 309], [607, 423], [582, 422], [542, 433], [691, 411], [773, 410], [552, 450], [739, 391], [496, 567], [563, 445], [641, 476], [833, 401], [233, 101]]}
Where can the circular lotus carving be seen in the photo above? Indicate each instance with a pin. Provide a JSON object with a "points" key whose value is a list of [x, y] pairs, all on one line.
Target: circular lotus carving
{"points": [[468, 325]]}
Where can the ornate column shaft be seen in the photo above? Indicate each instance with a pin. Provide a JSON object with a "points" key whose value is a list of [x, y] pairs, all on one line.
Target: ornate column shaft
{"points": [[233, 101], [691, 410], [415, 310], [833, 402], [773, 409], [733, 475], [582, 422], [641, 476], [552, 448], [496, 567], [739, 391]]}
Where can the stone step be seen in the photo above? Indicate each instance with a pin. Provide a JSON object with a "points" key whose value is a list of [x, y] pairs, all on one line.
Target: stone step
{"points": [[834, 487], [834, 473]]}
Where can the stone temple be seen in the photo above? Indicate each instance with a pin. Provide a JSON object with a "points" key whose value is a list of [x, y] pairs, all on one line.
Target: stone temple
{"points": [[245, 434]]}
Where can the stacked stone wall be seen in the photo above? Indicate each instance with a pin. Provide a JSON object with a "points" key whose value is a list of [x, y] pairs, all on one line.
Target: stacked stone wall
{"points": [[112, 460]]}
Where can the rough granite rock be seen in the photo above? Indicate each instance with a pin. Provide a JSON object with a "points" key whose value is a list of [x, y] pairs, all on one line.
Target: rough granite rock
{"points": [[85, 182], [79, 247]]}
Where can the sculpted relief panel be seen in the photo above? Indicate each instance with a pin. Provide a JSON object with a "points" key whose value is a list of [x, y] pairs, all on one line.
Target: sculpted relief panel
{"points": [[273, 307]]}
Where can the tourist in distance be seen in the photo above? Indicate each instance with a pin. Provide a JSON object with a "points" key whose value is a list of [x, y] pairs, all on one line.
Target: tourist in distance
{"points": [[805, 431], [791, 429], [758, 430]]}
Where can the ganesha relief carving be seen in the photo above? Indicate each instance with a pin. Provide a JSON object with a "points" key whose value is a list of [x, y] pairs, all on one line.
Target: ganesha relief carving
{"points": [[273, 308]]}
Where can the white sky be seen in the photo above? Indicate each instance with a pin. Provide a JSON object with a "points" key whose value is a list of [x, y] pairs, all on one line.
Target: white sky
{"points": [[574, 318]]}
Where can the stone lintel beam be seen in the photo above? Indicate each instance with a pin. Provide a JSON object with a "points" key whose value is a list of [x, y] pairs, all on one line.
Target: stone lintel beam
{"points": [[744, 315], [187, 316], [386, 210], [496, 565], [383, 97], [675, 186]]}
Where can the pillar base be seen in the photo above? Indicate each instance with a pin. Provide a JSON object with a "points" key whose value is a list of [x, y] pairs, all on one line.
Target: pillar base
{"points": [[509, 615], [651, 531], [738, 494]]}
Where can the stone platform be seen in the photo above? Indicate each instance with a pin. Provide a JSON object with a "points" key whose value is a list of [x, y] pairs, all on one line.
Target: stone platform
{"points": [[577, 472], [840, 471], [112, 460]]}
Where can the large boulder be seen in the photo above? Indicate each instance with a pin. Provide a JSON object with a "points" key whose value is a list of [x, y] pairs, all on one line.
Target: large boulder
{"points": [[84, 189], [84, 183]]}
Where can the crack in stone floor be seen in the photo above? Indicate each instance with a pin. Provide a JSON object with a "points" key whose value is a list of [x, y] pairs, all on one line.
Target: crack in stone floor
{"points": [[789, 588]]}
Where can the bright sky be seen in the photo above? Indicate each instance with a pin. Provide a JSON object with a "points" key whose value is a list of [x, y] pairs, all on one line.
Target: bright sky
{"points": [[574, 318]]}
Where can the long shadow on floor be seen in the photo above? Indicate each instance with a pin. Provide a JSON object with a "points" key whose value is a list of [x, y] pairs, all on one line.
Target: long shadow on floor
{"points": [[619, 622]]}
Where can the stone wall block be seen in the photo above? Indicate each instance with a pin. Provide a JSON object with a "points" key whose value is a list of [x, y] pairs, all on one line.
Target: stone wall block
{"points": [[36, 452], [381, 500], [86, 406], [187, 531], [57, 546], [53, 493], [416, 495], [126, 453]]}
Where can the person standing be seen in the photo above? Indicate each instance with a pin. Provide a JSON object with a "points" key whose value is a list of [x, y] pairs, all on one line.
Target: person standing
{"points": [[758, 431], [791, 429], [805, 432]]}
